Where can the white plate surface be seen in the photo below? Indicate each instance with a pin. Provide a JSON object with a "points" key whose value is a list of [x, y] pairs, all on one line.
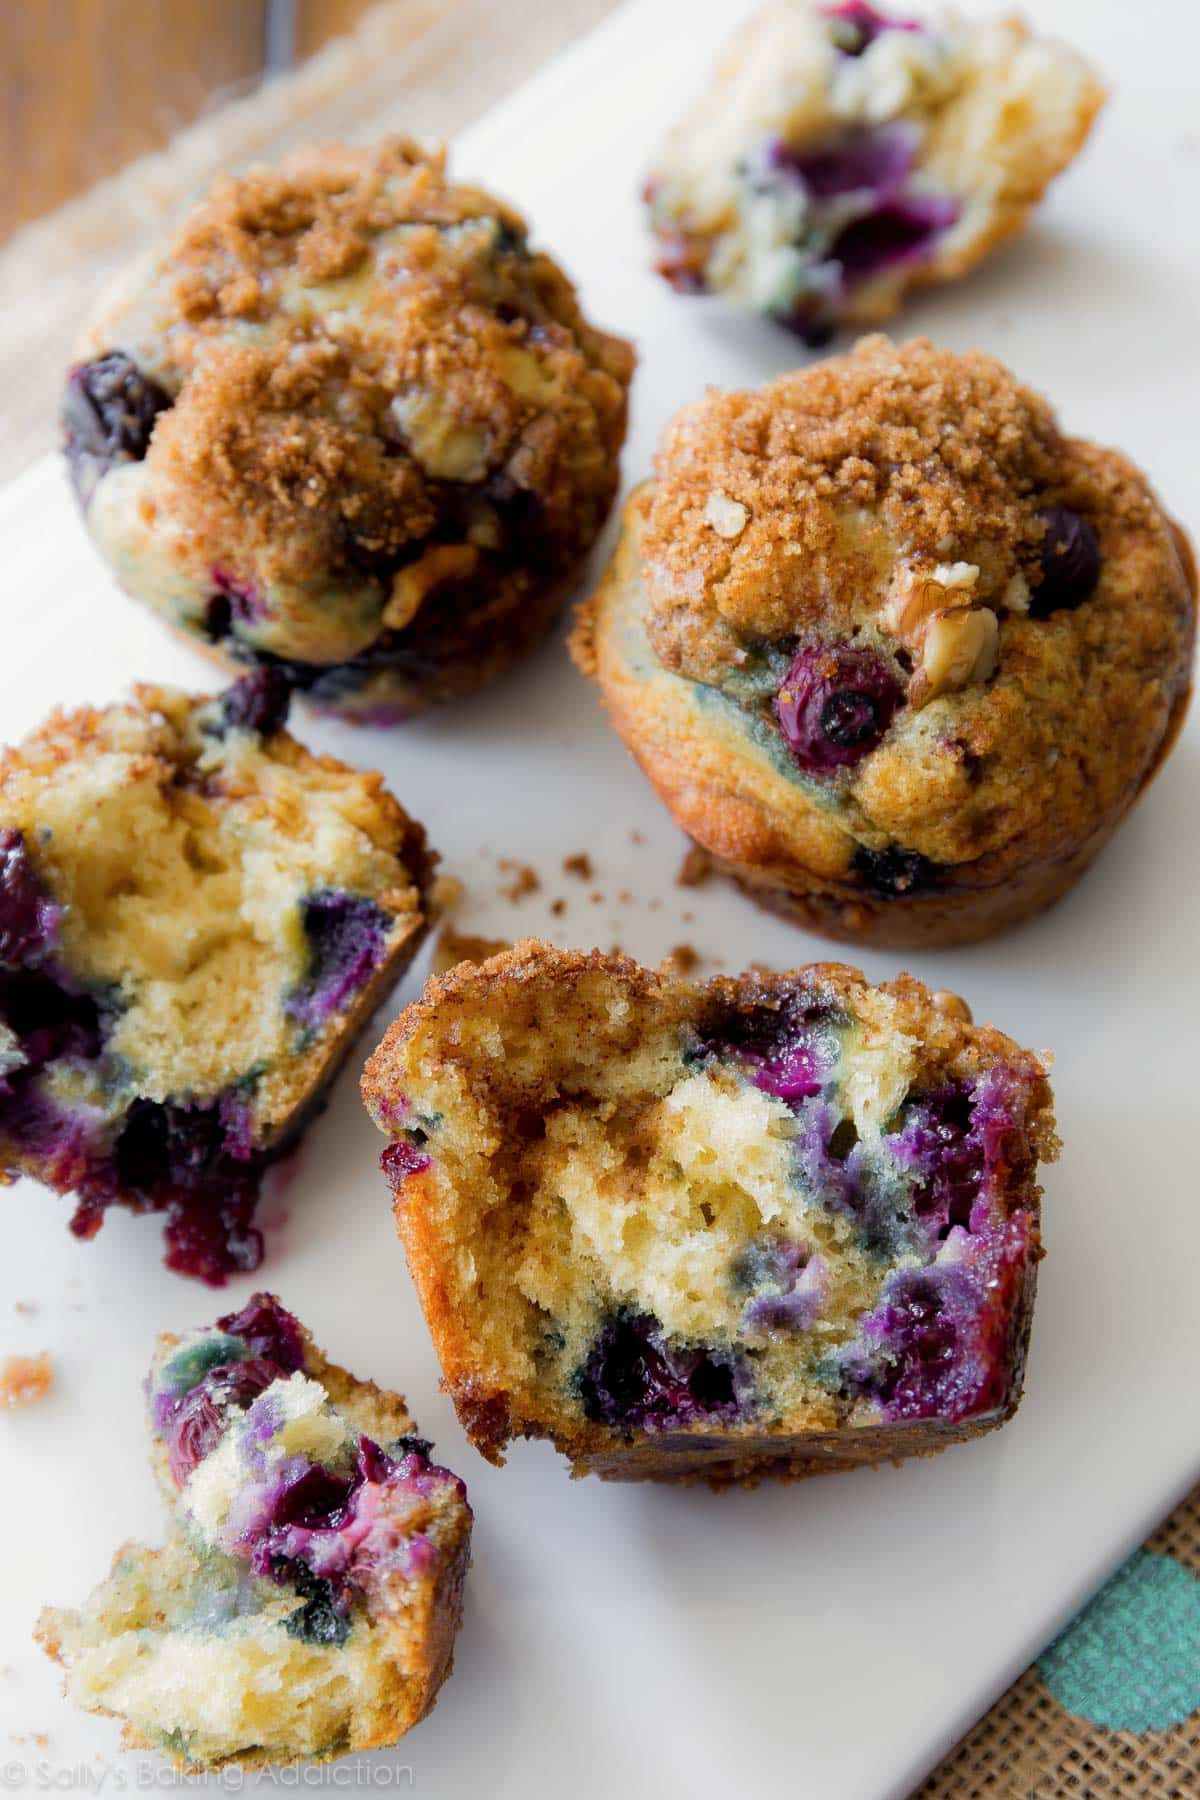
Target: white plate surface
{"points": [[827, 1640]]}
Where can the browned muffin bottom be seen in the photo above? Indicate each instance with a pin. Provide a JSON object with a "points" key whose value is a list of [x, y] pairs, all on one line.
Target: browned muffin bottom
{"points": [[890, 646], [773, 1223], [349, 422]]}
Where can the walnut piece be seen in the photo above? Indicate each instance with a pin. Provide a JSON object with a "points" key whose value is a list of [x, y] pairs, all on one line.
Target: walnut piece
{"points": [[959, 647]]}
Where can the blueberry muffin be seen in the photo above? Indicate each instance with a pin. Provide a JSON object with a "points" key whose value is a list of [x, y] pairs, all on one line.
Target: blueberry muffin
{"points": [[842, 156], [346, 422], [770, 1223], [306, 1601], [196, 918], [891, 647]]}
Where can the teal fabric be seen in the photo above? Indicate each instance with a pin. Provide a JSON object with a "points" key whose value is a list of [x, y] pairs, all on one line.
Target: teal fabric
{"points": [[1130, 1660]]}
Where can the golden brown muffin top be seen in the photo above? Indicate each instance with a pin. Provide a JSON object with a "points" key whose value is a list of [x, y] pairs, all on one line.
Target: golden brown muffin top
{"points": [[351, 340], [896, 501]]}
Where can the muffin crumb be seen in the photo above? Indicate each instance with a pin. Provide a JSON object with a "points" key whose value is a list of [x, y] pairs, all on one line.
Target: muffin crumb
{"points": [[25, 1379]]}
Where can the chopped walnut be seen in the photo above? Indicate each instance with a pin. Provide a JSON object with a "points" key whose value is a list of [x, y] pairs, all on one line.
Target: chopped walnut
{"points": [[727, 517], [916, 595], [413, 585], [959, 647]]}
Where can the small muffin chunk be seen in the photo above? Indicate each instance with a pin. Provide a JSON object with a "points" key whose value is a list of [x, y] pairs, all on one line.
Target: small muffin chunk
{"points": [[306, 1601], [346, 422], [196, 918], [893, 649], [843, 156], [772, 1223]]}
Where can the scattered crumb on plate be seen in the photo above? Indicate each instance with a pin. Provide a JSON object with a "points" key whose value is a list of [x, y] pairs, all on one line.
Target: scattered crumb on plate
{"points": [[695, 868], [558, 908], [453, 947], [25, 1379], [682, 959], [27, 1308], [580, 864], [522, 879]]}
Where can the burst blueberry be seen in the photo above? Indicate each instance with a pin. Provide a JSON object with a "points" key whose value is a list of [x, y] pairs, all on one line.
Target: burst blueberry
{"points": [[1069, 560], [835, 705], [634, 1377], [108, 415]]}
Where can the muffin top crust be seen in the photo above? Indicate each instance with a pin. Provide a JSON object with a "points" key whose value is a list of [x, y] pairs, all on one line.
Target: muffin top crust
{"points": [[905, 534], [342, 363]]}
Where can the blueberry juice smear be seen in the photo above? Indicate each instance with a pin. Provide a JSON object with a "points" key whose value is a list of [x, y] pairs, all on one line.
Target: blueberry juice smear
{"points": [[633, 1378], [195, 1163]]}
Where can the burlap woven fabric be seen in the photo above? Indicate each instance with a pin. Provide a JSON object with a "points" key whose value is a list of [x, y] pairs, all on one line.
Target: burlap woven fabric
{"points": [[1133, 1651]]}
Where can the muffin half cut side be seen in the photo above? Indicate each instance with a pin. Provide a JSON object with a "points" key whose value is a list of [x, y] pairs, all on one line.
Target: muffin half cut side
{"points": [[306, 1601], [197, 916], [767, 1223]]}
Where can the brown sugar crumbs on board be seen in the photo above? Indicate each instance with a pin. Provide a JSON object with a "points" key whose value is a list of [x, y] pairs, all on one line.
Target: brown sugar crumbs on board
{"points": [[522, 879], [580, 864], [695, 868], [25, 1379]]}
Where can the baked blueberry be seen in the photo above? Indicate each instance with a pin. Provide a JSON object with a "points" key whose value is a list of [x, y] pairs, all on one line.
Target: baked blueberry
{"points": [[196, 916], [307, 1598], [843, 155], [346, 423], [777, 1222], [897, 652]]}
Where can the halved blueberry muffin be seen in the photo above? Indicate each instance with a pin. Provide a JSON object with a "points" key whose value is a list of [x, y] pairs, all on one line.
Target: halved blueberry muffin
{"points": [[898, 653], [348, 423], [306, 1601], [770, 1223], [843, 155], [196, 918]]}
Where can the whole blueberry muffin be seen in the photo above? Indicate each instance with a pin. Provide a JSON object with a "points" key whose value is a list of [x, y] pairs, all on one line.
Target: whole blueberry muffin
{"points": [[772, 1223], [842, 156], [306, 1601], [348, 423], [891, 647], [196, 918]]}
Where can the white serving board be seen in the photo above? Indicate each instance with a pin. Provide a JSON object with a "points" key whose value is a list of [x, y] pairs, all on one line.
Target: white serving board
{"points": [[828, 1640]]}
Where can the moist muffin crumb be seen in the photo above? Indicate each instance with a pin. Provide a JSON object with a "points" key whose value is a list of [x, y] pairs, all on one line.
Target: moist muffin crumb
{"points": [[347, 422], [765, 1223], [947, 648], [196, 917], [306, 1601], [843, 155]]}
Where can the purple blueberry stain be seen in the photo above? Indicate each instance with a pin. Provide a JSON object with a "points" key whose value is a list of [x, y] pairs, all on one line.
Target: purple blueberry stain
{"points": [[787, 1285], [246, 603], [402, 1159], [346, 936], [786, 1049], [1069, 562], [894, 872], [108, 416], [877, 161], [835, 705], [938, 1342], [29, 918], [856, 25], [326, 1531], [258, 702], [634, 1378]]}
